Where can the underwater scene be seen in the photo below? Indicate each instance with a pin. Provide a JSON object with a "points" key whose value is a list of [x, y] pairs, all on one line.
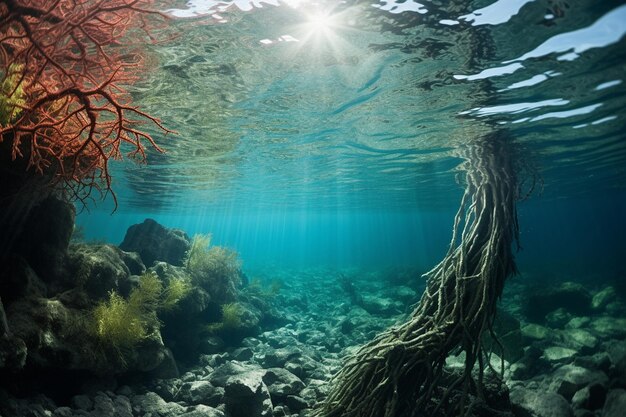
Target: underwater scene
{"points": [[299, 208]]}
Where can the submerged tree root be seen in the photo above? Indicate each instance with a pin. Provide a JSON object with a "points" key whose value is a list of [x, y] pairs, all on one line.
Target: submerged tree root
{"points": [[397, 374]]}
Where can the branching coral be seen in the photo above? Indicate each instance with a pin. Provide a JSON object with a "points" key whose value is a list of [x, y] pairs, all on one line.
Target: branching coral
{"points": [[64, 108], [399, 373]]}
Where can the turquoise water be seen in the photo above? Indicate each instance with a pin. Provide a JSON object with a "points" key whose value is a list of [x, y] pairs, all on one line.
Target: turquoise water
{"points": [[329, 133]]}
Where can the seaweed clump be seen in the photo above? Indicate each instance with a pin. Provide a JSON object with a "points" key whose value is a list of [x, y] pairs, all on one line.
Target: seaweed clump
{"points": [[231, 318], [213, 268], [121, 324]]}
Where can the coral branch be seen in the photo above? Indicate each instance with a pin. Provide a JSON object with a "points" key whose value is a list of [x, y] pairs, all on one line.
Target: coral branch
{"points": [[63, 69]]}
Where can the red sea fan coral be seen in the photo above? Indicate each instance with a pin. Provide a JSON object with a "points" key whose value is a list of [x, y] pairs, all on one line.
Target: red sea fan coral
{"points": [[63, 106]]}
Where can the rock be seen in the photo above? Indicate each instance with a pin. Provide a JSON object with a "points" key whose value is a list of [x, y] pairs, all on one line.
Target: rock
{"points": [[530, 403], [167, 368], [603, 297], [616, 309], [203, 411], [281, 383], [558, 318], [242, 354], [98, 269], [610, 327], [202, 392], [220, 375], [122, 406], [579, 339], [103, 406], [63, 412], [246, 395], [154, 242], [591, 397], [570, 296], [250, 317], [211, 344], [578, 322], [278, 357], [568, 379], [600, 361], [151, 404], [296, 403], [615, 403], [168, 389], [381, 306], [38, 406], [133, 261], [403, 293], [558, 353], [45, 237], [347, 325], [82, 402], [152, 356], [532, 332], [13, 350], [45, 326], [616, 350]]}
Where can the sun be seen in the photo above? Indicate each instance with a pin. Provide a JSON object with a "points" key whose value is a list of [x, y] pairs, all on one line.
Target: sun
{"points": [[319, 23]]}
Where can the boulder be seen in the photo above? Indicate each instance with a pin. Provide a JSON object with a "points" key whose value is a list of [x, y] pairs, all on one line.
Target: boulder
{"points": [[201, 392], [122, 406], [579, 339], [57, 337], [167, 367], [151, 404], [558, 354], [609, 327], [13, 353], [103, 406], [568, 379], [98, 269], [381, 306], [535, 332], [247, 395], [202, 411], [154, 242], [46, 235], [558, 318], [603, 298], [82, 402], [531, 403], [281, 383], [615, 403], [46, 326], [600, 361], [277, 358], [219, 377], [296, 403], [591, 397]]}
